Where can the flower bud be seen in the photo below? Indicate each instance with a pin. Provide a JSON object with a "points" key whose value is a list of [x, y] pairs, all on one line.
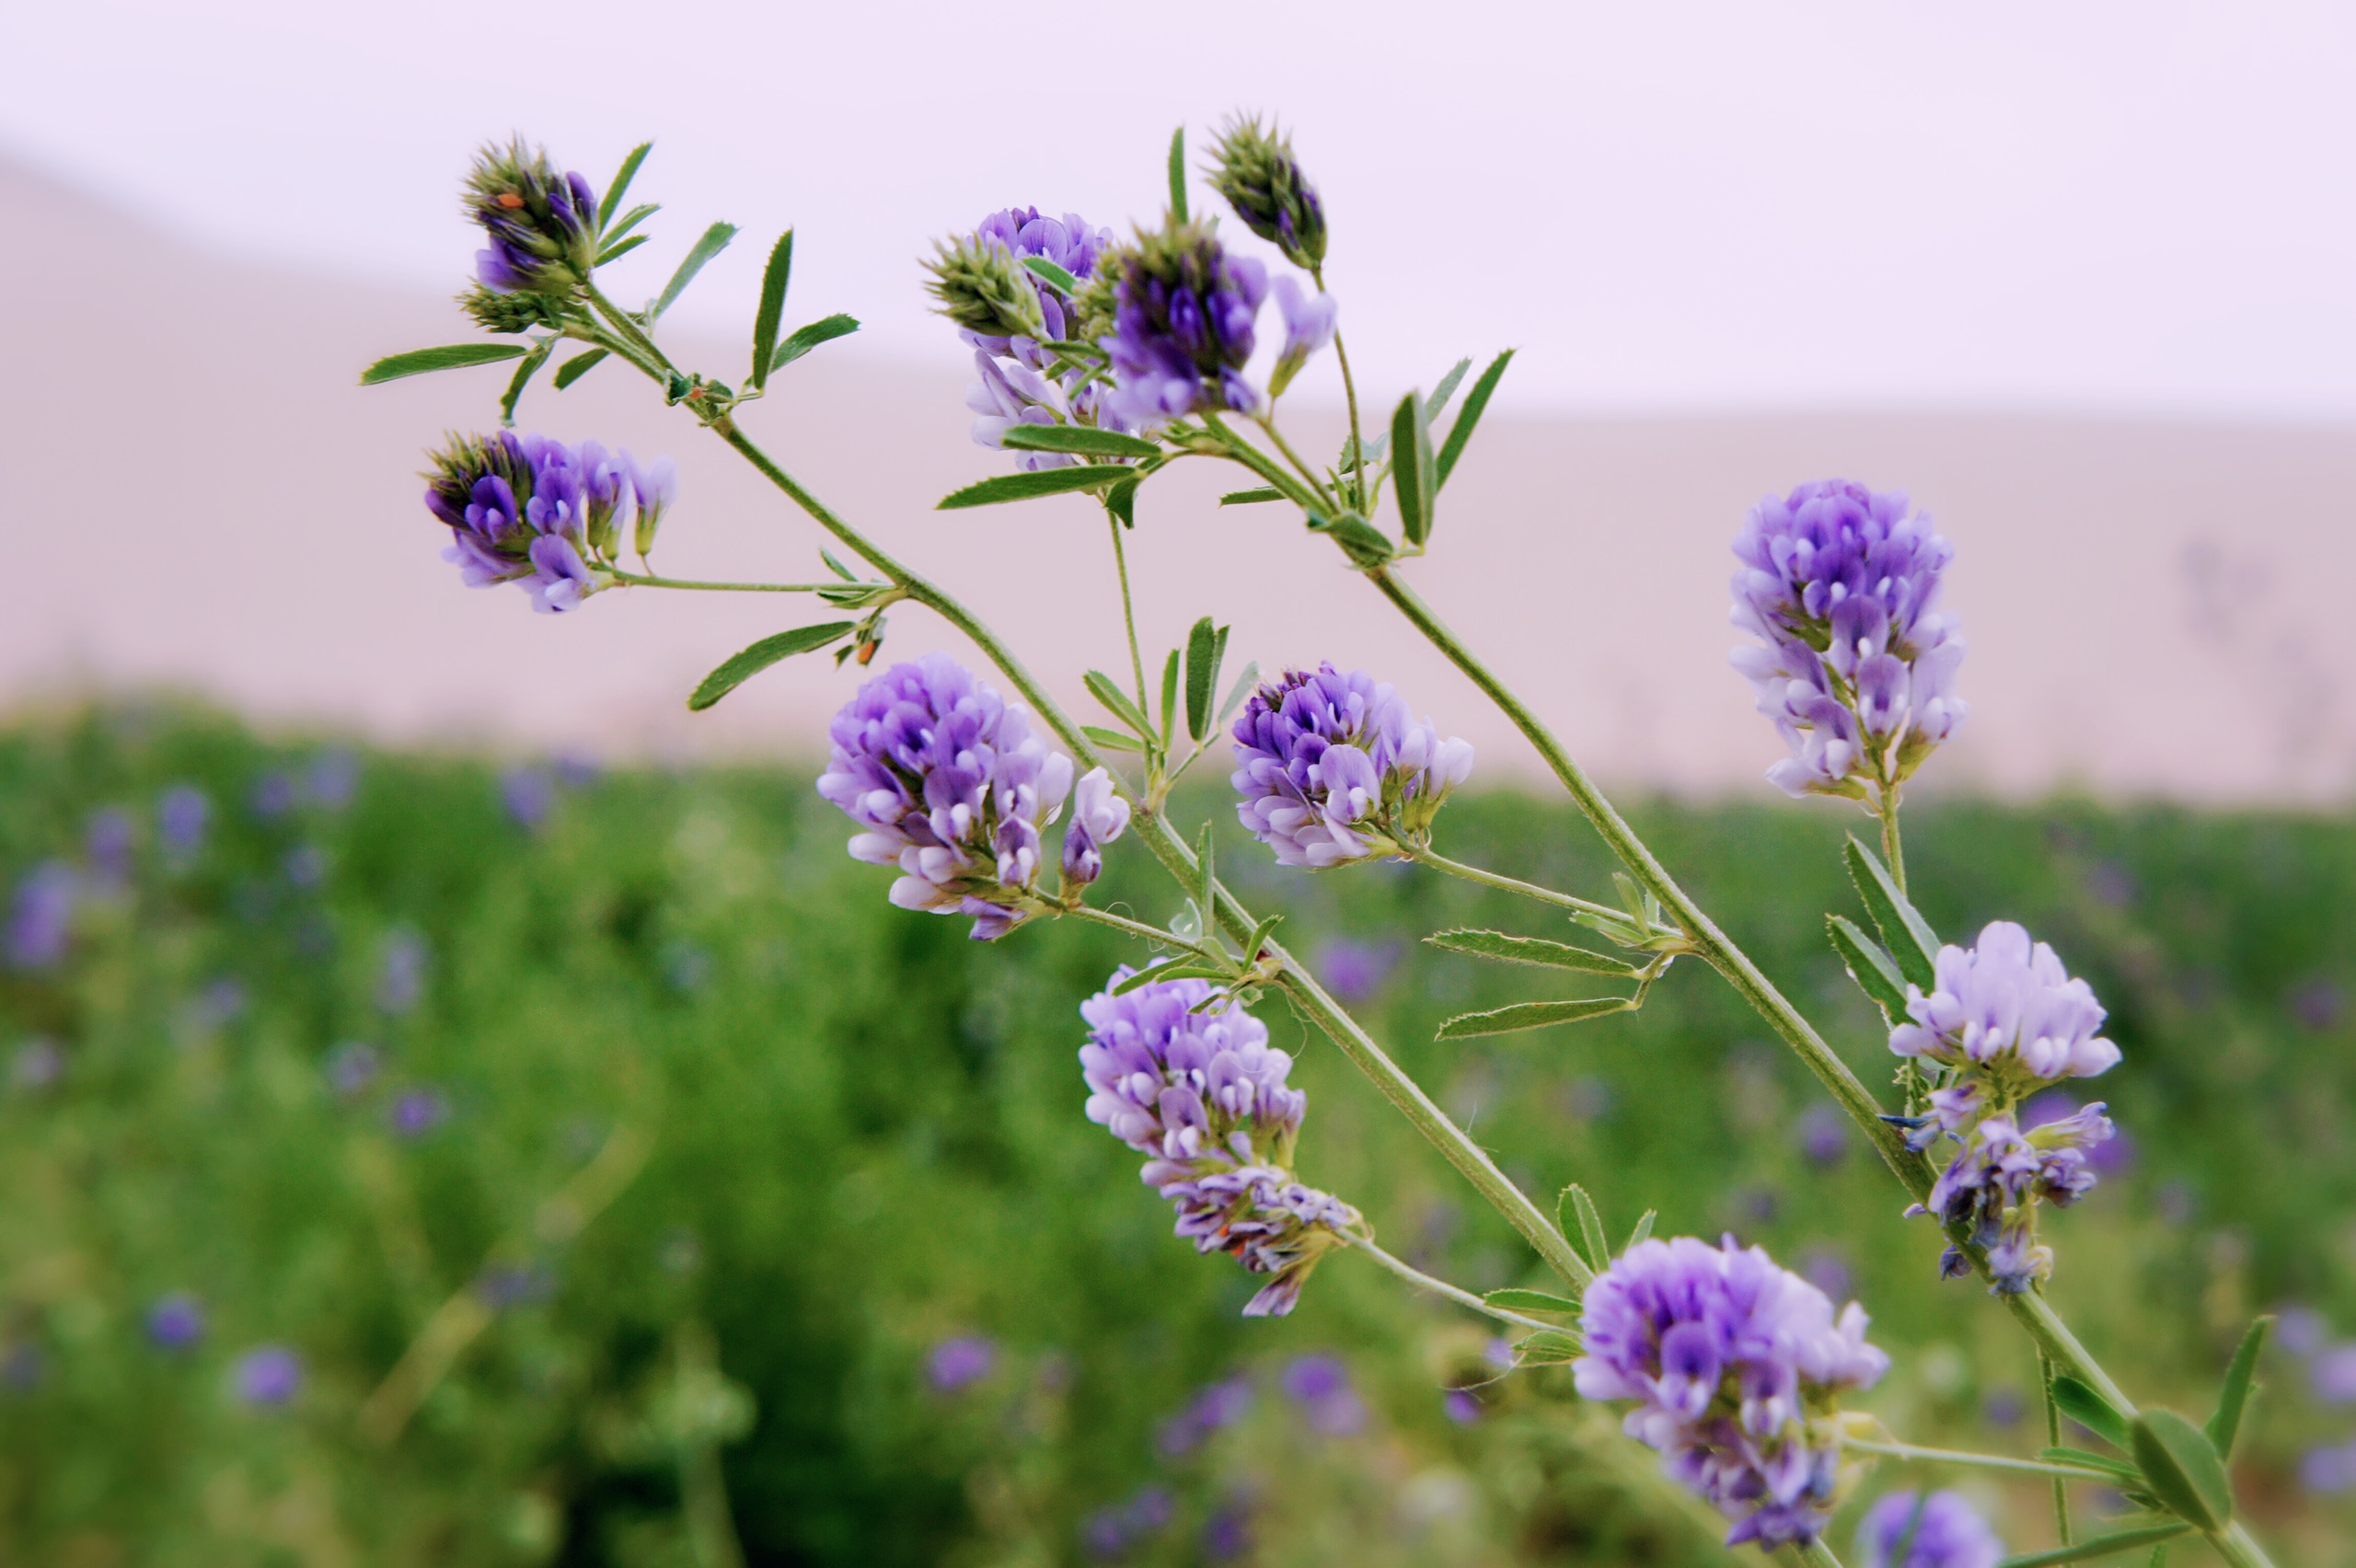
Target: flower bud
{"points": [[656, 485], [1256, 172], [1309, 327], [984, 289], [1098, 818], [542, 225], [509, 313]]}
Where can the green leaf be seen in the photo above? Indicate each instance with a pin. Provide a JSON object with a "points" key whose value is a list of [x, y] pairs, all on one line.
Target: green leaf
{"points": [[1908, 936], [1178, 175], [620, 248], [630, 220], [578, 366], [2091, 1461], [622, 176], [1259, 938], [1575, 1207], [801, 340], [1252, 496], [1868, 965], [1528, 1015], [837, 568], [2183, 1469], [1081, 439], [1513, 1299], [2226, 1423], [1643, 1231], [1112, 740], [2090, 1410], [1101, 687], [417, 362], [1169, 971], [1548, 1347], [1168, 698], [760, 656], [715, 240], [2096, 1546], [1410, 470], [1053, 273], [774, 278], [1238, 691], [1476, 402], [523, 373], [1205, 644], [1528, 950], [1447, 388], [1365, 544], [1023, 486], [1121, 501]]}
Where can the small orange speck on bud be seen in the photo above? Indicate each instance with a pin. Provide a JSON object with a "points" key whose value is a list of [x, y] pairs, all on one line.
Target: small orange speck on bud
{"points": [[509, 199], [866, 654]]}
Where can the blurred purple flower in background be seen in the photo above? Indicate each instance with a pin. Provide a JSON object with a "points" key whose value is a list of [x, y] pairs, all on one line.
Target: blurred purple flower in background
{"points": [[333, 777], [955, 1364], [1320, 1385], [1906, 1529], [176, 1321], [419, 1112], [352, 1068], [2301, 1331], [39, 1065], [40, 924], [2329, 1468], [1110, 1532], [1226, 1534], [107, 844], [1355, 971], [307, 865], [267, 1376], [528, 793], [182, 814], [1826, 1269], [23, 1369], [1823, 1135], [2332, 1374], [274, 796], [219, 1003], [1462, 1406], [402, 977], [1220, 1406]]}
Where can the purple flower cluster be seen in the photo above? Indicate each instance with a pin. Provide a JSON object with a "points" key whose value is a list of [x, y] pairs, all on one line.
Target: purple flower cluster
{"points": [[1332, 770], [269, 1375], [1907, 1529], [41, 923], [958, 1362], [1018, 384], [1841, 583], [2002, 1021], [1215, 1408], [1193, 1084], [1735, 1365], [542, 226], [1184, 312], [952, 787], [534, 511]]}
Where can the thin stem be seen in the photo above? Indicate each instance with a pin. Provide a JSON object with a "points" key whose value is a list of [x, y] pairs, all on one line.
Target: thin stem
{"points": [[626, 325], [1129, 611], [1277, 436], [1921, 1456], [641, 579], [1817, 1554], [1892, 852], [2053, 1440], [1137, 928], [1424, 856], [1423, 1281], [1470, 1159], [1264, 466], [1350, 392]]}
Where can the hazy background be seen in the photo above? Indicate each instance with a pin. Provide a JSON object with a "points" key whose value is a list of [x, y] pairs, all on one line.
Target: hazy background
{"points": [[2076, 279]]}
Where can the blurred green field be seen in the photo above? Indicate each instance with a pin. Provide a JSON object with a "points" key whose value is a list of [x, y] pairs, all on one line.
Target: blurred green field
{"points": [[632, 1185]]}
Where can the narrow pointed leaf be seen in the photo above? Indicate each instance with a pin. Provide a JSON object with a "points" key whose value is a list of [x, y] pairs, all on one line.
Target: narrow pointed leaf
{"points": [[837, 568], [801, 340], [578, 366], [1105, 690], [1412, 473], [523, 373], [2097, 1546], [2090, 1410], [760, 656], [1908, 936], [1081, 439], [1112, 740], [1259, 938], [2226, 1423], [1169, 699], [1046, 268], [1023, 486], [622, 176], [1528, 950], [1549, 1347], [610, 238], [1168, 972], [1515, 1300], [713, 241], [2182, 1470], [1202, 677], [1475, 403], [1446, 389], [1590, 1224], [1121, 501], [1365, 544], [619, 249], [1252, 496], [418, 362], [774, 278], [1528, 1015], [1243, 687], [1643, 1231], [1178, 175], [1873, 969], [2091, 1461]]}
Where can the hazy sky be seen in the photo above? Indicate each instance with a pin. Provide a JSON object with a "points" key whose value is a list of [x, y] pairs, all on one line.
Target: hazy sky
{"points": [[2135, 206]]}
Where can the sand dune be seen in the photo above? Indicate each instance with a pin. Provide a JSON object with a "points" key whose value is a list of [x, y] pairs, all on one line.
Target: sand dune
{"points": [[198, 496]]}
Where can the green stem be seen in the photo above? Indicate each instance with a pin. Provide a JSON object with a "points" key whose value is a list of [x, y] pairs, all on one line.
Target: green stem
{"points": [[1470, 1159], [1921, 1456], [1268, 467], [2053, 1439], [1817, 1554], [1423, 1281], [1893, 852], [638, 580], [1424, 856], [1137, 928], [1128, 612], [1349, 392], [622, 321], [1284, 446]]}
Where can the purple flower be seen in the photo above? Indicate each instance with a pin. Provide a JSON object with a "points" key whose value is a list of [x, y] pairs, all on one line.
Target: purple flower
{"points": [[419, 1112], [107, 843], [1330, 769], [402, 977], [332, 779], [273, 797], [1190, 1080], [1462, 1406], [41, 924], [528, 793], [1218, 1406], [2301, 1331], [352, 1068], [1823, 1134], [39, 1065], [2006, 1009], [1183, 315], [951, 787], [269, 1375], [1309, 322], [1321, 1386], [181, 818], [176, 1321], [1994, 1185], [1907, 1529], [1098, 818], [1356, 970], [2332, 1374], [1109, 1532], [1840, 583], [530, 510], [542, 226], [1735, 1365], [955, 1363]]}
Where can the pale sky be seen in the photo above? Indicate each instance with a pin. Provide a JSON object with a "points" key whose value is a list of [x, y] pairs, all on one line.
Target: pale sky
{"points": [[2091, 206]]}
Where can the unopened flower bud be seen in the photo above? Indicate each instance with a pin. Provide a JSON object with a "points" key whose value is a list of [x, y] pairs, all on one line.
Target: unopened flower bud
{"points": [[656, 485], [1098, 818], [1309, 327], [510, 312], [983, 288], [542, 225], [1255, 169]]}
